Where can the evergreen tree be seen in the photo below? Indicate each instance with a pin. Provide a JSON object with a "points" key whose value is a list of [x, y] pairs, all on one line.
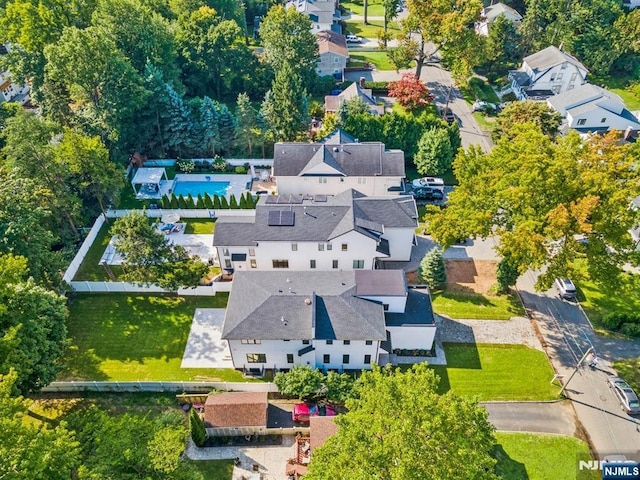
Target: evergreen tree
{"points": [[285, 107], [243, 202], [208, 203], [198, 432], [506, 275], [432, 270], [227, 128], [200, 201], [190, 203], [435, 153], [224, 204], [178, 125], [208, 126], [216, 202], [182, 203], [248, 130], [233, 203], [165, 202], [174, 201]]}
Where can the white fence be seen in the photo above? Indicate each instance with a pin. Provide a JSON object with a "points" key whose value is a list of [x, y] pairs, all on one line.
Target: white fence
{"points": [[186, 213], [86, 245], [182, 387], [236, 162]]}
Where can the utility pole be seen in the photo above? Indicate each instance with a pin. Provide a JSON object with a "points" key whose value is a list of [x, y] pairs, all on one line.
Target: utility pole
{"points": [[591, 349]]}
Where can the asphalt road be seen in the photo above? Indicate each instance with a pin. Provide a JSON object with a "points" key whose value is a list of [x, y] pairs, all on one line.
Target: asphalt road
{"points": [[568, 335], [542, 417]]}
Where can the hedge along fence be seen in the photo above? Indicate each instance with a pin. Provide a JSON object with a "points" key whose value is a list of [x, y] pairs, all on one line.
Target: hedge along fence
{"points": [[142, 386], [217, 202]]}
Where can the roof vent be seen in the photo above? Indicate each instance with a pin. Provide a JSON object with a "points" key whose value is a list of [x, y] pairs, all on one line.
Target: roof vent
{"points": [[288, 280], [336, 149], [284, 322], [307, 301]]}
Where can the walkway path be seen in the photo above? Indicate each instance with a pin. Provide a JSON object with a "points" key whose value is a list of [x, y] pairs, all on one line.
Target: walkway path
{"points": [[516, 331]]}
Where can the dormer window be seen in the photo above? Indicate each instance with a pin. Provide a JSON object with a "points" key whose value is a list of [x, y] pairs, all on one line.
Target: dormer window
{"points": [[564, 65]]}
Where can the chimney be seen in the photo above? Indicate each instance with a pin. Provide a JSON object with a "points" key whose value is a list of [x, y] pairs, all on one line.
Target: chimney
{"points": [[361, 82]]}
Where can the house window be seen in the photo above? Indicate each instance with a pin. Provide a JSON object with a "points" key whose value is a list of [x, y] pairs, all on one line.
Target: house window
{"points": [[312, 264], [256, 358], [564, 65], [385, 306], [321, 247], [329, 246], [369, 342], [305, 342], [344, 247], [322, 180], [227, 263], [294, 247], [334, 264], [341, 179], [559, 77], [603, 120], [280, 263], [358, 264], [553, 77], [326, 358], [345, 358], [367, 359], [574, 75], [250, 342], [362, 180], [289, 357], [570, 87], [329, 342], [253, 263], [347, 342], [582, 121], [336, 59], [225, 252], [252, 252]]}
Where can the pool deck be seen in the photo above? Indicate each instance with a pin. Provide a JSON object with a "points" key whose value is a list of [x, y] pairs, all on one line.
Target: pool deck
{"points": [[237, 184]]}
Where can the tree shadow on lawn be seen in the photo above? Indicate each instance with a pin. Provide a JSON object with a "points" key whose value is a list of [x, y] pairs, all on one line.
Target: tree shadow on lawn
{"points": [[507, 467], [459, 355]]}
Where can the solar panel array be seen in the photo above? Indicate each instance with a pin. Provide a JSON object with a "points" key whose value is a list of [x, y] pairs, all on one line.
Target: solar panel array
{"points": [[281, 218], [283, 199], [320, 198]]}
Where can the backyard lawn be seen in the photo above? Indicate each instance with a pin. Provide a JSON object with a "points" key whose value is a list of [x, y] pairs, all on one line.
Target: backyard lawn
{"points": [[135, 337], [378, 58], [478, 89], [496, 372], [90, 269], [214, 469], [200, 226], [371, 30], [476, 306], [540, 457], [375, 8]]}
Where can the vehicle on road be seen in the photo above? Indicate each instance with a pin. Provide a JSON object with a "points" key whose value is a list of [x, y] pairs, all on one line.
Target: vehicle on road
{"points": [[626, 396], [447, 115], [303, 411], [353, 39], [566, 288], [431, 182], [428, 193], [482, 106]]}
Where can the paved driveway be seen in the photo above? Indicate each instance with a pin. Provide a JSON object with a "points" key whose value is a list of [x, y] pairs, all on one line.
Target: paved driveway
{"points": [[205, 347], [541, 417]]}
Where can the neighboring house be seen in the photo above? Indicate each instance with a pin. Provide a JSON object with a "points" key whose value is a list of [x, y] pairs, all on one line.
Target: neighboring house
{"points": [[335, 164], [355, 90], [492, 12], [349, 231], [589, 108], [324, 14], [230, 412], [328, 320], [9, 91], [631, 4], [333, 54], [546, 73]]}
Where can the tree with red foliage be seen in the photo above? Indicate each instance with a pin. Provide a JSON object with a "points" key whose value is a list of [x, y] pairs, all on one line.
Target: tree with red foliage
{"points": [[410, 92]]}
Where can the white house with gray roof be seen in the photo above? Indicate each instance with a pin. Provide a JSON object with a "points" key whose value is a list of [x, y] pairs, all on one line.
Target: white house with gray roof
{"points": [[336, 164], [339, 320], [349, 231], [546, 73], [491, 13], [589, 108]]}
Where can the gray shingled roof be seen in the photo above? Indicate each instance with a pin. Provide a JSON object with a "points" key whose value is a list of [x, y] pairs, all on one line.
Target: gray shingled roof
{"points": [[418, 310], [367, 159], [272, 305], [320, 221], [550, 57], [381, 283], [337, 137], [580, 95]]}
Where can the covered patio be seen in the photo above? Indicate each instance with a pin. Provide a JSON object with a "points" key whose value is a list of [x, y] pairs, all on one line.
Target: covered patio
{"points": [[149, 182]]}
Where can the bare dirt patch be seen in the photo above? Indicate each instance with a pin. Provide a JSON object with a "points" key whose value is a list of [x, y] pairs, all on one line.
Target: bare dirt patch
{"points": [[466, 276]]}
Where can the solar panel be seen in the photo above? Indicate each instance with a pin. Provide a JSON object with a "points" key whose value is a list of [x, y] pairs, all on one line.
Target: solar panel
{"points": [[287, 218], [320, 198], [274, 218], [271, 199], [296, 199]]}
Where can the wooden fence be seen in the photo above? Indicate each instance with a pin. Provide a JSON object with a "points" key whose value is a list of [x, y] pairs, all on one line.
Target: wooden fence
{"points": [[132, 387]]}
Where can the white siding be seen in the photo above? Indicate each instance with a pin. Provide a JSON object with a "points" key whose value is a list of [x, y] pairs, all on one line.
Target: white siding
{"points": [[356, 351], [400, 243], [370, 186], [593, 119], [412, 336], [558, 79]]}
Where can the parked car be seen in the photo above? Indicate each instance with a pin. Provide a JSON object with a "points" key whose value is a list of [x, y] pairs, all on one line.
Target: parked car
{"points": [[482, 106], [428, 193], [447, 115], [431, 182], [626, 396], [303, 411], [566, 288], [353, 39]]}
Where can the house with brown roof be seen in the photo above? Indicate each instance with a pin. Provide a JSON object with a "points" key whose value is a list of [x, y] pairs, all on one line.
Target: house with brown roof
{"points": [[236, 413], [333, 54]]}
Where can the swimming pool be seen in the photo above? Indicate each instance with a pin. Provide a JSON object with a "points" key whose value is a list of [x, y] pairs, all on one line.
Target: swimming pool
{"points": [[195, 188]]}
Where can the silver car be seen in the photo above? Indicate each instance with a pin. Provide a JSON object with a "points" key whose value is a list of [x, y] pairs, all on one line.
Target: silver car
{"points": [[566, 288], [625, 395]]}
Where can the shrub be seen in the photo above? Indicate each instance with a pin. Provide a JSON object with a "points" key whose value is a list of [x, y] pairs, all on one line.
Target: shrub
{"points": [[506, 275], [233, 203], [216, 202], [613, 321], [198, 432], [173, 203], [432, 270], [185, 166], [240, 169], [182, 203], [165, 202], [208, 203], [189, 202], [224, 203], [630, 329]]}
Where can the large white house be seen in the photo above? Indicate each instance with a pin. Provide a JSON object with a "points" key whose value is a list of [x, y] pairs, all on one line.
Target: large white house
{"points": [[546, 73], [327, 320], [491, 13], [324, 14], [349, 231], [333, 54], [589, 108], [335, 164], [356, 90]]}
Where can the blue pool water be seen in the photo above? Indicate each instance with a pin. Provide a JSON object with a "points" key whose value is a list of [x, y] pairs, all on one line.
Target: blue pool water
{"points": [[195, 188]]}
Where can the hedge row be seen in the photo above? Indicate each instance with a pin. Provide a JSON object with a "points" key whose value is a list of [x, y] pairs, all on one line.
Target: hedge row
{"points": [[217, 202], [625, 323]]}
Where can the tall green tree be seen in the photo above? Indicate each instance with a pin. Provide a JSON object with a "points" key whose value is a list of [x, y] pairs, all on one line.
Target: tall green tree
{"points": [[414, 433], [301, 381], [537, 195], [288, 40], [178, 123], [209, 127], [538, 113], [432, 269], [435, 153], [285, 107], [227, 126], [503, 49], [248, 130]]}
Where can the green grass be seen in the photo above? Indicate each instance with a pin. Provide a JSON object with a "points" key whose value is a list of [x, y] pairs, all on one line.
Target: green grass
{"points": [[478, 89], [540, 457], [630, 100], [620, 84], [90, 269], [214, 469], [374, 10], [200, 226], [485, 122], [378, 58], [629, 369], [496, 372], [476, 306], [370, 30], [135, 337]]}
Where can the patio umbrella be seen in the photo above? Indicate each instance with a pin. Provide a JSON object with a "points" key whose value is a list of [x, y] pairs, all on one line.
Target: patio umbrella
{"points": [[170, 217]]}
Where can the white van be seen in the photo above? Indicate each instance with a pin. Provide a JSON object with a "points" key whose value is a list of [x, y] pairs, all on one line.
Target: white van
{"points": [[432, 182]]}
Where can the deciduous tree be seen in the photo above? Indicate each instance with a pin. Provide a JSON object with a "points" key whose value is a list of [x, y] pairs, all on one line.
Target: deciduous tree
{"points": [[435, 152], [249, 131], [301, 381], [400, 427], [538, 113], [410, 92]]}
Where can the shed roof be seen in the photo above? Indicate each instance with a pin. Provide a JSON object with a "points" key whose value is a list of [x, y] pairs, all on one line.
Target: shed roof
{"points": [[236, 409], [148, 175]]}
